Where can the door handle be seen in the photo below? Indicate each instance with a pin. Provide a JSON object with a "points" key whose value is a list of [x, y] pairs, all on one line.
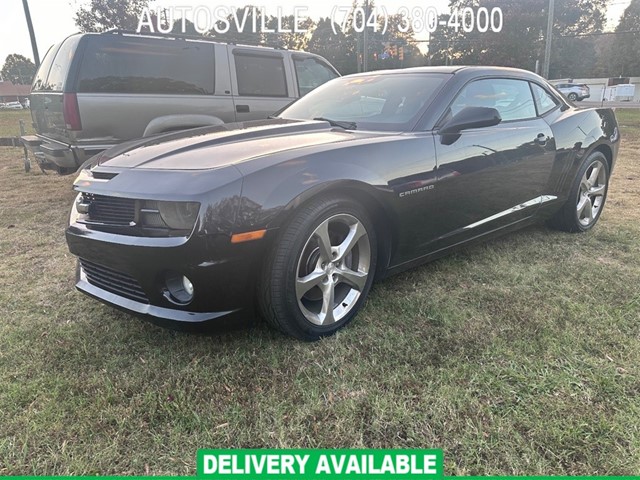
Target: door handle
{"points": [[242, 108], [541, 139]]}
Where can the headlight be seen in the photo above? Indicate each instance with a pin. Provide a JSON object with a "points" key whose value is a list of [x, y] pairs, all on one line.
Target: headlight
{"points": [[73, 217], [179, 215]]}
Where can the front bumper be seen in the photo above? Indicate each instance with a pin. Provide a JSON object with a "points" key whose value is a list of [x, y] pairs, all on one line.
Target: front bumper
{"points": [[222, 275], [161, 316]]}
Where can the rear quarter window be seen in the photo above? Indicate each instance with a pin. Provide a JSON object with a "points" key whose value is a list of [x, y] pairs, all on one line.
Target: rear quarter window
{"points": [[154, 66], [545, 102]]}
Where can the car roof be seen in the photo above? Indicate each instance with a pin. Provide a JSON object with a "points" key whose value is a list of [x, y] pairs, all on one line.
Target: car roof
{"points": [[471, 71]]}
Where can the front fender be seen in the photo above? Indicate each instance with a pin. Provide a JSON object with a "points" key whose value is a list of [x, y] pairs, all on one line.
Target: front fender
{"points": [[375, 171], [270, 195]]}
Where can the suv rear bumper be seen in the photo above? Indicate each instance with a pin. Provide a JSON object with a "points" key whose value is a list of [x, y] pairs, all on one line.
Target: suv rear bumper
{"points": [[57, 155]]}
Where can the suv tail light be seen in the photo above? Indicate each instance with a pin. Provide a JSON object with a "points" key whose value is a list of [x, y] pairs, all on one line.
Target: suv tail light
{"points": [[71, 111]]}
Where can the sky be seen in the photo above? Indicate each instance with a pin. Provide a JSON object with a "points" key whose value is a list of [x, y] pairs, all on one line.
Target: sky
{"points": [[53, 19]]}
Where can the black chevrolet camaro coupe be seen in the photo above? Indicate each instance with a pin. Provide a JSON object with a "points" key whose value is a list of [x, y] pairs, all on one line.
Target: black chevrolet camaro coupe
{"points": [[293, 217]]}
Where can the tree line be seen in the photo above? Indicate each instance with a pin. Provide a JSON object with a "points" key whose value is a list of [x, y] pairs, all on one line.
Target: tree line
{"points": [[580, 47]]}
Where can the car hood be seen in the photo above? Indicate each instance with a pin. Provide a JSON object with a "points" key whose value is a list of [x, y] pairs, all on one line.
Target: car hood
{"points": [[223, 145]]}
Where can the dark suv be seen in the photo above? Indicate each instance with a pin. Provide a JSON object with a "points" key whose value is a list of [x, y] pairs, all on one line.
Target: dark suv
{"points": [[94, 91]]}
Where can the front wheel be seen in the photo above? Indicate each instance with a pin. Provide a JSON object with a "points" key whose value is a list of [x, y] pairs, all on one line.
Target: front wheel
{"points": [[320, 270], [587, 196]]}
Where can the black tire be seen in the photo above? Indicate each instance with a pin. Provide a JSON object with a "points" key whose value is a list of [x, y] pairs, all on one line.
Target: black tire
{"points": [[292, 259], [572, 96], [570, 217], [65, 170]]}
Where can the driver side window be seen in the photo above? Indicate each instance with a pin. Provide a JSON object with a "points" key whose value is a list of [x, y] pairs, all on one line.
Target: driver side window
{"points": [[512, 98]]}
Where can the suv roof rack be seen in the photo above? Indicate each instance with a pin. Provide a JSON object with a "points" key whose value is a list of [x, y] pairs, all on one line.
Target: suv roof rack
{"points": [[120, 31], [179, 36]]}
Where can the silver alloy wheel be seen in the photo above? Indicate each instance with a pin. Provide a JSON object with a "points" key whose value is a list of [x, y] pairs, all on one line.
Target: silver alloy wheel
{"points": [[593, 188], [333, 269]]}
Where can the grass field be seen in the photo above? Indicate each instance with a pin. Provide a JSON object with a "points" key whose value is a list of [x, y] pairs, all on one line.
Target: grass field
{"points": [[10, 122], [520, 356]]}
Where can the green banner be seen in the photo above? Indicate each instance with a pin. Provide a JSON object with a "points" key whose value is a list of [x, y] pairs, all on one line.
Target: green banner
{"points": [[306, 464]]}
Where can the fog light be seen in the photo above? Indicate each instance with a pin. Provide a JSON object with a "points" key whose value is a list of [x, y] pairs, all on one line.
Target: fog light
{"points": [[188, 286], [179, 288]]}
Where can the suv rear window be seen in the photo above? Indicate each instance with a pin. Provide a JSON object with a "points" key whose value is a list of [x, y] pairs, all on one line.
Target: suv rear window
{"points": [[61, 64], [53, 70], [40, 80], [113, 64]]}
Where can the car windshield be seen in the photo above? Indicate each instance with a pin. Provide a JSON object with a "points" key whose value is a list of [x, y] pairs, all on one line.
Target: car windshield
{"points": [[386, 101]]}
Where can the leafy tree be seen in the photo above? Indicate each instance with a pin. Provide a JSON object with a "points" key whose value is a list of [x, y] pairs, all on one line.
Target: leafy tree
{"points": [[574, 57], [406, 53], [244, 35], [188, 29], [18, 69], [345, 49], [101, 15], [289, 40], [338, 48], [521, 41], [603, 45], [625, 60]]}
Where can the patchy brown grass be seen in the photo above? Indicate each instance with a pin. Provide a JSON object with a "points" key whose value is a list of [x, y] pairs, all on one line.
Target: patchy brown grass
{"points": [[519, 356]]}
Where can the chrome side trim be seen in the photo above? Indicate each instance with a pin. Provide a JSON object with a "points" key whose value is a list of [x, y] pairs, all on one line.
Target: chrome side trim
{"points": [[529, 203]]}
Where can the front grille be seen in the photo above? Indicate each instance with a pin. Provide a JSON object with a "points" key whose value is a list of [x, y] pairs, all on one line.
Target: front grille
{"points": [[112, 210], [113, 281]]}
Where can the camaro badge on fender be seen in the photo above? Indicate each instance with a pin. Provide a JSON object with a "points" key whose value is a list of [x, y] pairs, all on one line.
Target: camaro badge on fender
{"points": [[416, 190]]}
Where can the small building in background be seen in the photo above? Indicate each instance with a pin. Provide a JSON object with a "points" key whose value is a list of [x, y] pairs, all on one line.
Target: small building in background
{"points": [[11, 92]]}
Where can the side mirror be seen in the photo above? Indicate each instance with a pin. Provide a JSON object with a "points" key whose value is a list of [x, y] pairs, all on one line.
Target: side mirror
{"points": [[471, 117]]}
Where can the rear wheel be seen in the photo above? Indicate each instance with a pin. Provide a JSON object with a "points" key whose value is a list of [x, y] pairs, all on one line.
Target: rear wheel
{"points": [[572, 96], [587, 196], [320, 270]]}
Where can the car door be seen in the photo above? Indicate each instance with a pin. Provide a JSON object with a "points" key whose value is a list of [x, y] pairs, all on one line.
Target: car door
{"points": [[492, 177], [262, 82]]}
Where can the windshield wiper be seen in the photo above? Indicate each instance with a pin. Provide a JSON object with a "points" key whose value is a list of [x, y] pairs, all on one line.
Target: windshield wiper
{"points": [[338, 123]]}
